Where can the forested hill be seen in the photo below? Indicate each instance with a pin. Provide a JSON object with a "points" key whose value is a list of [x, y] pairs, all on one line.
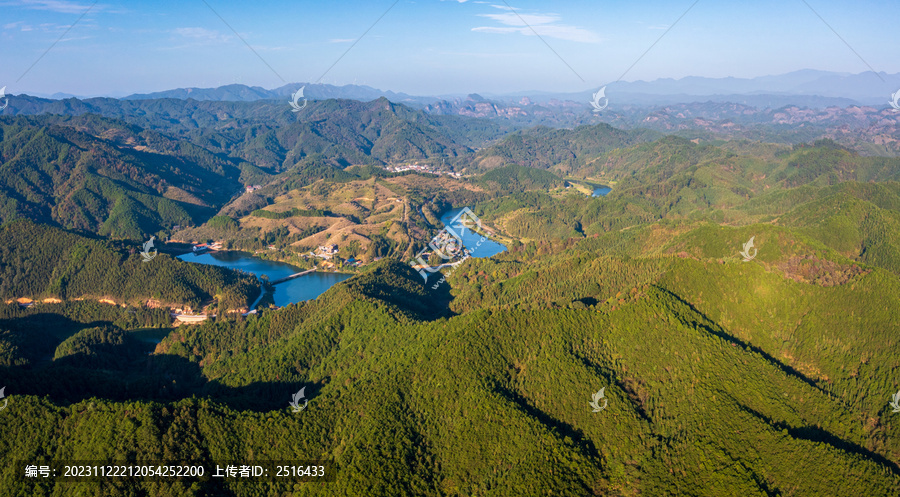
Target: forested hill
{"points": [[120, 181], [565, 150], [732, 306], [602, 150], [348, 132], [267, 133], [847, 202], [42, 262], [411, 396], [127, 169]]}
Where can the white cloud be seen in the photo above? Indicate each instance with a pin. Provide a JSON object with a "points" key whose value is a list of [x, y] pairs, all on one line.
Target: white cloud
{"points": [[20, 25], [342, 40], [485, 55], [513, 19], [61, 6], [202, 35], [47, 27], [530, 24], [76, 38]]}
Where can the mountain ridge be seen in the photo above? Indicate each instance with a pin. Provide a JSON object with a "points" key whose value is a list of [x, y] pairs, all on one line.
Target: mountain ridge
{"points": [[819, 87]]}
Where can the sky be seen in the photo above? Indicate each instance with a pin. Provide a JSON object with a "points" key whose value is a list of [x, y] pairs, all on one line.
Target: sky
{"points": [[430, 47]]}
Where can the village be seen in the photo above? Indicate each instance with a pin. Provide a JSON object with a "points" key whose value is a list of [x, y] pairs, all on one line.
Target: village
{"points": [[327, 253], [422, 169]]}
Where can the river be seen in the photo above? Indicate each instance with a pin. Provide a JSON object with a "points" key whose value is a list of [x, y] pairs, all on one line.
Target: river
{"points": [[292, 291]]}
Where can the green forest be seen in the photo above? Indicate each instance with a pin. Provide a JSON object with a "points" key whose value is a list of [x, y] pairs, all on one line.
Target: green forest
{"points": [[42, 262], [716, 373]]}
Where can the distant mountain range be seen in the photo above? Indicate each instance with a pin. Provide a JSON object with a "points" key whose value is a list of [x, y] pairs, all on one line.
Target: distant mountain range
{"points": [[869, 129], [805, 88], [244, 93], [808, 87]]}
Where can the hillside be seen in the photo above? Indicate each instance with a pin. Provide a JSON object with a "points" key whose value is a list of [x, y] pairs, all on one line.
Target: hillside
{"points": [[267, 134], [563, 150], [148, 165], [123, 184], [673, 178], [714, 367], [40, 262], [367, 211], [493, 395]]}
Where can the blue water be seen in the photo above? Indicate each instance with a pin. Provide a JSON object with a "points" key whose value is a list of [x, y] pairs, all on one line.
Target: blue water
{"points": [[292, 291], [601, 191], [472, 240]]}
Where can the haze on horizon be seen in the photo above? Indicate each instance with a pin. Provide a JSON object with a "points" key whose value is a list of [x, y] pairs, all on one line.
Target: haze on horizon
{"points": [[429, 47]]}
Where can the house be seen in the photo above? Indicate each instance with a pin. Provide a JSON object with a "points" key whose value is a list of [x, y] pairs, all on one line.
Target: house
{"points": [[327, 251], [200, 247]]}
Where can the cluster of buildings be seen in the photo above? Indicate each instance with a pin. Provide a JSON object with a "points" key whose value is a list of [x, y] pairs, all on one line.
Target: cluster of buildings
{"points": [[253, 188], [326, 252], [422, 169], [329, 253], [203, 247]]}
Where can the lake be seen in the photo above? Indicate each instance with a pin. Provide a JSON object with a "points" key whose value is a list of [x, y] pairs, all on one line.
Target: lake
{"points": [[306, 287], [601, 191], [472, 240], [314, 284]]}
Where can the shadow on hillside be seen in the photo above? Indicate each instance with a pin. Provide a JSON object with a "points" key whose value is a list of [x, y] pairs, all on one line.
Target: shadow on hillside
{"points": [[785, 368], [129, 371], [816, 434], [440, 296], [397, 284], [564, 429], [48, 321], [626, 385], [156, 377], [36, 336]]}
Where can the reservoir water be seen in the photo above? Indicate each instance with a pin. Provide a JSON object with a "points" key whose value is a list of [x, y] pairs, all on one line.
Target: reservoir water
{"points": [[472, 240], [312, 285], [292, 291], [601, 191]]}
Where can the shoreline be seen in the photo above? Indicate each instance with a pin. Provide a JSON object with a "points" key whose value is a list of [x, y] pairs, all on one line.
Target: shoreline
{"points": [[255, 255]]}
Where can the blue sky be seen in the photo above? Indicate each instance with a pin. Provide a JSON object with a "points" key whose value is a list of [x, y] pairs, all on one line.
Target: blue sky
{"points": [[429, 47]]}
